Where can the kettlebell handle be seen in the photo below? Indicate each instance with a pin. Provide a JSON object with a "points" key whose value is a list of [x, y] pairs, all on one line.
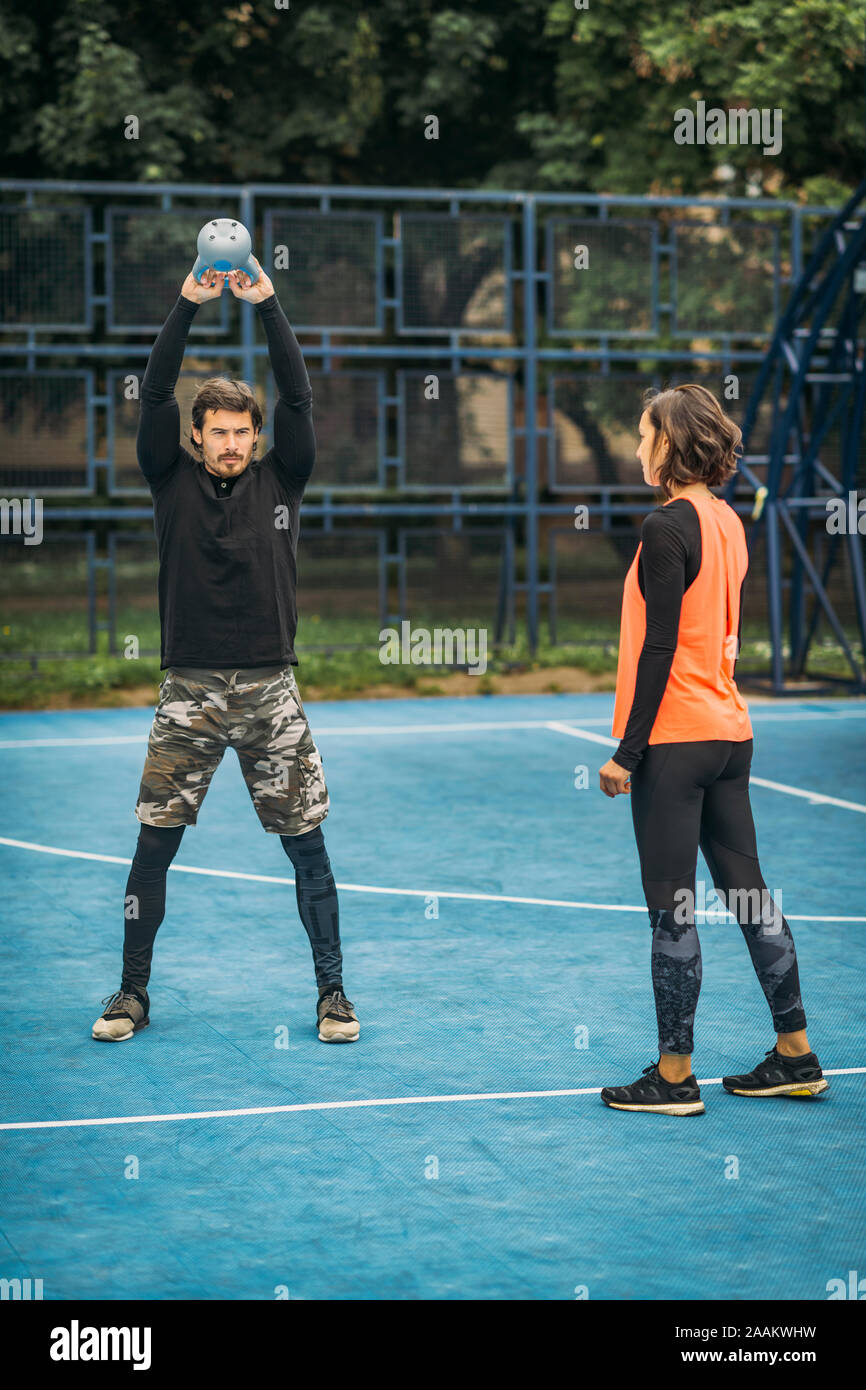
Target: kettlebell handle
{"points": [[249, 267], [224, 244]]}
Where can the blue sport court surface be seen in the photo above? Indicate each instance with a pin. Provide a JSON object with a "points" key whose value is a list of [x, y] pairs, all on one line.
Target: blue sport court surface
{"points": [[497, 951]]}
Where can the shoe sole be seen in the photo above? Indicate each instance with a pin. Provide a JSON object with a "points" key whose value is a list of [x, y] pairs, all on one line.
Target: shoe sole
{"points": [[692, 1107], [798, 1090], [340, 1037], [124, 1037]]}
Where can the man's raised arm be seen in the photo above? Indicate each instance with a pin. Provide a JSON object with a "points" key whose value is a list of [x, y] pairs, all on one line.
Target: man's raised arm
{"points": [[158, 442], [294, 443]]}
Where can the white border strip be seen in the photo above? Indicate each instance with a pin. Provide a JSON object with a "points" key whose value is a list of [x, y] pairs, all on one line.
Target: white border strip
{"points": [[340, 1105], [359, 730], [814, 798], [365, 731], [761, 715], [376, 888]]}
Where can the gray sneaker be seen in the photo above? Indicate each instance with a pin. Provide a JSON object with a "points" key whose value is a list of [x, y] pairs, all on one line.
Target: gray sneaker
{"points": [[124, 1015]]}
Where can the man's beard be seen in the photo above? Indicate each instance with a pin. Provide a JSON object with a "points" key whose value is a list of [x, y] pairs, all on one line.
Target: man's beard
{"points": [[224, 467]]}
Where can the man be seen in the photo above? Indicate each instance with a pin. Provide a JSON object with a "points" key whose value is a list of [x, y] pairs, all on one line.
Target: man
{"points": [[227, 530]]}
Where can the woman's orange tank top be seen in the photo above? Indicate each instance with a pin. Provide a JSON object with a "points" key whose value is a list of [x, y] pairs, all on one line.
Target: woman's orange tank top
{"points": [[701, 699]]}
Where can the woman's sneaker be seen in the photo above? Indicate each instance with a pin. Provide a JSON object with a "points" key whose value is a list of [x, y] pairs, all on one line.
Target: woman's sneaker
{"points": [[125, 1013], [778, 1075], [336, 1017], [652, 1092]]}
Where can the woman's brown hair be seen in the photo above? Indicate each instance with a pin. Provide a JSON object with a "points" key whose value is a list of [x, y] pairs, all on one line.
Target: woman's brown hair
{"points": [[703, 440], [220, 393]]}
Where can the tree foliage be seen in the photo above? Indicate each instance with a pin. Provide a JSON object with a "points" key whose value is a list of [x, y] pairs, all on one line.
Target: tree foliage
{"points": [[530, 93]]}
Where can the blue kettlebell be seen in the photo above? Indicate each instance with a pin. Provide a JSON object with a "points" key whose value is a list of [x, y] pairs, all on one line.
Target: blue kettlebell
{"points": [[224, 245]]}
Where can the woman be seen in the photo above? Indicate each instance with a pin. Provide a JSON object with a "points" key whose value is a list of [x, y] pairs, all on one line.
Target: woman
{"points": [[685, 753]]}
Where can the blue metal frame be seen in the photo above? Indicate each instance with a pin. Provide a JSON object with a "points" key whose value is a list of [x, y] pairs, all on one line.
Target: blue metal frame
{"points": [[791, 355], [805, 351]]}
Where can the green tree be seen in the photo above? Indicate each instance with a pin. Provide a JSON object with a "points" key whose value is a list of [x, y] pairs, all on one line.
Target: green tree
{"points": [[532, 93], [623, 70]]}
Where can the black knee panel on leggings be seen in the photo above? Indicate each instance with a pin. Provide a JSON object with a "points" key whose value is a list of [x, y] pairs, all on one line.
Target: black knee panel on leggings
{"points": [[157, 845], [307, 852]]}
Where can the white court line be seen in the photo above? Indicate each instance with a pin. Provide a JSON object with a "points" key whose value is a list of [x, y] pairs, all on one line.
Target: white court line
{"points": [[814, 798], [362, 730], [108, 741], [765, 714], [558, 726], [376, 888], [341, 1105], [467, 727]]}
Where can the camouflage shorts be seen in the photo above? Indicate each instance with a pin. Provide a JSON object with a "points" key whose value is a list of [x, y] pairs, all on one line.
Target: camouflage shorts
{"points": [[260, 715]]}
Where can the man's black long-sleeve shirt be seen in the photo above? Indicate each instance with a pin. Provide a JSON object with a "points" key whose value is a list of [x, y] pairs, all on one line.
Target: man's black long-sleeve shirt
{"points": [[227, 557]]}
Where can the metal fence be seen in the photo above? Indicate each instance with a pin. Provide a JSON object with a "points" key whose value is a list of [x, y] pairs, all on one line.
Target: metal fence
{"points": [[477, 362]]}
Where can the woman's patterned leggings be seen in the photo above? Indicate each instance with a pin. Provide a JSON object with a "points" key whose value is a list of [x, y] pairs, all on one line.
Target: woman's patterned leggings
{"points": [[690, 795]]}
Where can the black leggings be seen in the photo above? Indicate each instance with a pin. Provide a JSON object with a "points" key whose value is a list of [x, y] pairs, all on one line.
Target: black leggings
{"points": [[690, 795], [144, 905]]}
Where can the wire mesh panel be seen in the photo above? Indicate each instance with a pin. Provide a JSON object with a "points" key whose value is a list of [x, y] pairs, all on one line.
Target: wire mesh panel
{"points": [[840, 448], [755, 649], [726, 278], [830, 554], [124, 410], [586, 571], [612, 287], [457, 578], [45, 269], [135, 606], [594, 420], [45, 594], [349, 421], [760, 434], [456, 430], [454, 273], [770, 413], [341, 587], [149, 253], [47, 431], [335, 270], [830, 557]]}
